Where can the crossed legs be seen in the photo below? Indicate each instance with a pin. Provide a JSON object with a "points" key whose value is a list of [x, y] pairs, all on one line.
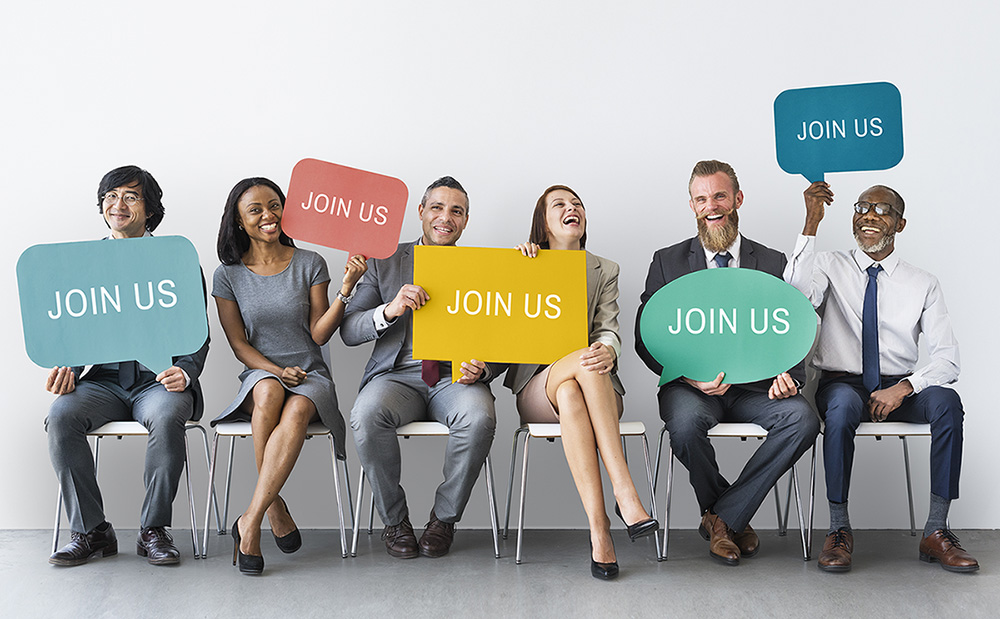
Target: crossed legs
{"points": [[279, 425], [589, 410]]}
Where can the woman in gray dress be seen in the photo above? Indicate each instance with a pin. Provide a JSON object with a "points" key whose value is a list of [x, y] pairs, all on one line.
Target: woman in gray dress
{"points": [[273, 306], [581, 392]]}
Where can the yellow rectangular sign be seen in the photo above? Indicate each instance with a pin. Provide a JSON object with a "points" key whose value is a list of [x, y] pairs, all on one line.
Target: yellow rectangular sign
{"points": [[499, 306]]}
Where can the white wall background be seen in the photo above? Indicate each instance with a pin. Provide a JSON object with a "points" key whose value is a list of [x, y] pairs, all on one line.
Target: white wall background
{"points": [[617, 100]]}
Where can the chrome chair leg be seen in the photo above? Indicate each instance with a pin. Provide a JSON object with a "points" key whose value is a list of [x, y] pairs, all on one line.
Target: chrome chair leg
{"points": [[520, 511]]}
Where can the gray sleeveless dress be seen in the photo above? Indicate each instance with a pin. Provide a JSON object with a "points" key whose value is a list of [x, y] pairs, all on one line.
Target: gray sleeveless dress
{"points": [[275, 311]]}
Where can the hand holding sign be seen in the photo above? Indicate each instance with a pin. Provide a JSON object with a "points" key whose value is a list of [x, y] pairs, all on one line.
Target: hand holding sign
{"points": [[496, 305], [838, 129], [744, 323], [345, 208], [107, 301]]}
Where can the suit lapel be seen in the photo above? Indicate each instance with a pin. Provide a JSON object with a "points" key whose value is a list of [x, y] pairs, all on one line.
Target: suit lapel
{"points": [[747, 258], [696, 256]]}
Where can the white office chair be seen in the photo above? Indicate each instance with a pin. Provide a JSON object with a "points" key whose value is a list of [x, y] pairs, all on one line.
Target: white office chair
{"points": [[423, 428], [550, 432], [120, 429], [744, 431], [901, 429], [242, 429]]}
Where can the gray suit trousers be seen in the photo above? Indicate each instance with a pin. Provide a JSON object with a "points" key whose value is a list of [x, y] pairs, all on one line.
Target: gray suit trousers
{"points": [[688, 413], [398, 397], [96, 401]]}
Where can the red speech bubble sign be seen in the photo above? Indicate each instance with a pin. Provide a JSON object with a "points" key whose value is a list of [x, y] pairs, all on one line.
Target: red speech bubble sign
{"points": [[345, 208]]}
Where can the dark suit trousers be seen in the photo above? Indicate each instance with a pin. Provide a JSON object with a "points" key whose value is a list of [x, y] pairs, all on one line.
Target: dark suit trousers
{"points": [[843, 401], [96, 401], [688, 413]]}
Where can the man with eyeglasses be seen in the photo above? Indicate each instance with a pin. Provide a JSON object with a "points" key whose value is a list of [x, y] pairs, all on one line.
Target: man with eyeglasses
{"points": [[129, 199], [874, 307]]}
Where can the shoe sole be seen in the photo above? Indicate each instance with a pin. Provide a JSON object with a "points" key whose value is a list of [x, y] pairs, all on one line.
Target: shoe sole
{"points": [[724, 560], [142, 552], [430, 555], [834, 569], [402, 555], [958, 570], [108, 551]]}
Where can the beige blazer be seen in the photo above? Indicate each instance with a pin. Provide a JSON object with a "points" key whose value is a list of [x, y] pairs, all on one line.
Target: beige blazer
{"points": [[602, 316]]}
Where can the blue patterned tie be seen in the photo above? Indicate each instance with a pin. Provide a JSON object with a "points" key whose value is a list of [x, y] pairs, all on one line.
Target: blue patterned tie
{"points": [[870, 371], [722, 260]]}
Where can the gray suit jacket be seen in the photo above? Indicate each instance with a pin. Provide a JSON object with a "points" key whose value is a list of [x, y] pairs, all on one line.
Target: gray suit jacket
{"points": [[602, 316], [379, 285], [687, 257]]}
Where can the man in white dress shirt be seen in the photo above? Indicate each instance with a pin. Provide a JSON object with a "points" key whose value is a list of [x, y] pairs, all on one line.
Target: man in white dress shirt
{"points": [[874, 307]]}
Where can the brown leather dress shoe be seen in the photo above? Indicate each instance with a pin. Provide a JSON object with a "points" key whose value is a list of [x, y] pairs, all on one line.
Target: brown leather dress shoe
{"points": [[157, 545], [721, 546], [400, 541], [837, 549], [942, 546], [747, 541], [437, 538], [83, 546]]}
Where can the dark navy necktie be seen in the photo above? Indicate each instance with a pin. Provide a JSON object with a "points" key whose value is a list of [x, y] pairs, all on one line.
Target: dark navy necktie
{"points": [[870, 371], [722, 260], [128, 372]]}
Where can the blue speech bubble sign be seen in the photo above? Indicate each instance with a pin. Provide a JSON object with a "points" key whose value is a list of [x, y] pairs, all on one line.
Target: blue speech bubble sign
{"points": [[114, 300], [838, 129], [745, 323]]}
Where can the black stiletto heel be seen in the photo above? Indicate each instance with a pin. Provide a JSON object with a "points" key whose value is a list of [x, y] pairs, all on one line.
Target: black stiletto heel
{"points": [[291, 542], [603, 571], [249, 564], [639, 529]]}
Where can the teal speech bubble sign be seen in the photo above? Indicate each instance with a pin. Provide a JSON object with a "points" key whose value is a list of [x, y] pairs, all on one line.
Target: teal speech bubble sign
{"points": [[114, 300], [838, 129], [743, 322]]}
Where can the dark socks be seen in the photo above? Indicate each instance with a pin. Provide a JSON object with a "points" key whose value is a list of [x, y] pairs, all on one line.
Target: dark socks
{"points": [[838, 517], [937, 518]]}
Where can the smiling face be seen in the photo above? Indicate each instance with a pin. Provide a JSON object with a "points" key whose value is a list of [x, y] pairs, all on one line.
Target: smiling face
{"points": [[444, 216], [715, 204], [565, 219], [126, 221], [876, 234], [260, 210]]}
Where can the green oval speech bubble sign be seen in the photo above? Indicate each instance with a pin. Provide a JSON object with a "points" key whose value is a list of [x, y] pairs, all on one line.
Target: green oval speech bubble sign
{"points": [[114, 300], [746, 323]]}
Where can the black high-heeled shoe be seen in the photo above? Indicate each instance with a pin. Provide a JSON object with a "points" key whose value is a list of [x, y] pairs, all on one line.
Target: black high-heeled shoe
{"points": [[603, 571], [249, 564], [292, 541], [639, 529]]}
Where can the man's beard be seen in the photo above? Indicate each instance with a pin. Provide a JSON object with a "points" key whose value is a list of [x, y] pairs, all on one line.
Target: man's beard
{"points": [[719, 239], [877, 246]]}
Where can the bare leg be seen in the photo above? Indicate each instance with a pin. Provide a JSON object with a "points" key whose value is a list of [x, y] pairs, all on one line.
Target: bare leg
{"points": [[280, 453], [268, 400], [588, 413]]}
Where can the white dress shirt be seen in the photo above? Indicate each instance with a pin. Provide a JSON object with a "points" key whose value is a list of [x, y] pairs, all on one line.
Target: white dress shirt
{"points": [[910, 302]]}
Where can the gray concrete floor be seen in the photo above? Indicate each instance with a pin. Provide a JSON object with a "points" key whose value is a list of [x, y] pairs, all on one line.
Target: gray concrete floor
{"points": [[554, 580]]}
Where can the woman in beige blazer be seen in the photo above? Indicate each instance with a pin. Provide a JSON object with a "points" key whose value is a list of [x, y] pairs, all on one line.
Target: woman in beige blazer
{"points": [[581, 392]]}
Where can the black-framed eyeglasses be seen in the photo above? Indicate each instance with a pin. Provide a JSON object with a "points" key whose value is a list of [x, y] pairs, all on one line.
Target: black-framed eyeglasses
{"points": [[130, 199], [881, 208]]}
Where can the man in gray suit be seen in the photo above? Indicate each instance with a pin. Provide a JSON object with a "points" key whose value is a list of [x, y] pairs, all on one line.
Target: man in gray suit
{"points": [[129, 199], [689, 408], [396, 389]]}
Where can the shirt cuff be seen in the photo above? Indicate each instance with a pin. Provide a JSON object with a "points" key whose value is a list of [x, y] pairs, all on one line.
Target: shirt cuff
{"points": [[381, 324], [187, 379]]}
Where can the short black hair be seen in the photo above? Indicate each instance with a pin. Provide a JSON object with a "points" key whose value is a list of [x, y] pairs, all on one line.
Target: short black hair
{"points": [[449, 182], [233, 241], [151, 192]]}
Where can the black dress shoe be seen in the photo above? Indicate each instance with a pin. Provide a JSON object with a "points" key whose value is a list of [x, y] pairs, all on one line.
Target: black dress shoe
{"points": [[83, 546], [639, 529], [437, 538], [290, 542], [157, 545], [400, 542], [602, 571], [249, 564]]}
